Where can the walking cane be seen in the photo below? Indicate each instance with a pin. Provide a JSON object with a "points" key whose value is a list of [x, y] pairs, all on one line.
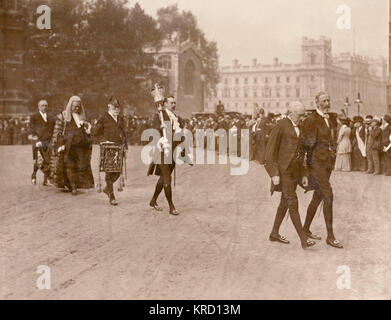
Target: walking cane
{"points": [[121, 178], [99, 184]]}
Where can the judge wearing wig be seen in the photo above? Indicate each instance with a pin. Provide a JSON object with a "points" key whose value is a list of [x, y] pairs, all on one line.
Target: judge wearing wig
{"points": [[77, 146]]}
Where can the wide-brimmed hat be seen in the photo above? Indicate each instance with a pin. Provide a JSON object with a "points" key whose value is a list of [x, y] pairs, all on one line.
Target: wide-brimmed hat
{"points": [[368, 119], [376, 119], [358, 119]]}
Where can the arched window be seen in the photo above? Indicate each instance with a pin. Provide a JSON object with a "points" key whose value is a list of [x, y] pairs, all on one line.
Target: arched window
{"points": [[313, 58], [164, 62], [189, 77]]}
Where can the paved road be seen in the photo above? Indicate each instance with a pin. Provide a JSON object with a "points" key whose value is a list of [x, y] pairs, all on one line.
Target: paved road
{"points": [[217, 248]]}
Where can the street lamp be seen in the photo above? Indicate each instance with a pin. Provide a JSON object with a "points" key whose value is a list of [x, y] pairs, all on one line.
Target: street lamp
{"points": [[347, 105], [358, 101]]}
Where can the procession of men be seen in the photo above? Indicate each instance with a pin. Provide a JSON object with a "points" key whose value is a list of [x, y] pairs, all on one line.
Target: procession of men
{"points": [[299, 150]]}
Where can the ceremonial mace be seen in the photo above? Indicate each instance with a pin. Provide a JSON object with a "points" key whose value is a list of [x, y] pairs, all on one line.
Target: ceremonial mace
{"points": [[158, 96]]}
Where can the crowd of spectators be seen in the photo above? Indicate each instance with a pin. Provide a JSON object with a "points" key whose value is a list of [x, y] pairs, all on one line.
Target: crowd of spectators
{"points": [[371, 158], [14, 130]]}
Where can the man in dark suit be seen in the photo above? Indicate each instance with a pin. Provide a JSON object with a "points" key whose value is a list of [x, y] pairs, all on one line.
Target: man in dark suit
{"points": [[261, 134], [386, 144], [166, 166], [374, 144], [111, 126], [41, 130], [285, 165], [319, 144]]}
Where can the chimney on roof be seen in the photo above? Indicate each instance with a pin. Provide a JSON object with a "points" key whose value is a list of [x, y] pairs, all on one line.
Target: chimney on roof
{"points": [[255, 62], [236, 63], [275, 60]]}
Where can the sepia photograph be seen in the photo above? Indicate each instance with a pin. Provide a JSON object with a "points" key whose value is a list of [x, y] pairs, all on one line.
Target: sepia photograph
{"points": [[194, 150]]}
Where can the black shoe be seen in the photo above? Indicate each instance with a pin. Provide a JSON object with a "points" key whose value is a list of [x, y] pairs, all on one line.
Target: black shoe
{"points": [[334, 243], [311, 235], [174, 212], [309, 243], [155, 206], [278, 238]]}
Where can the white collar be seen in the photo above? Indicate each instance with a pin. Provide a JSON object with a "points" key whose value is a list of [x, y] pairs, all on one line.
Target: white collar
{"points": [[76, 117], [322, 114], [113, 116], [44, 115], [295, 125]]}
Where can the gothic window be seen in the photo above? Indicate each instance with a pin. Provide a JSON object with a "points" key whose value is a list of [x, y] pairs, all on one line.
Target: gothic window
{"points": [[164, 62], [312, 58], [189, 77], [11, 4]]}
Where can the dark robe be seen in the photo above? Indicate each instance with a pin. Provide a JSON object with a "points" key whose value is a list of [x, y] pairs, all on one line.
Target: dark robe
{"points": [[77, 156]]}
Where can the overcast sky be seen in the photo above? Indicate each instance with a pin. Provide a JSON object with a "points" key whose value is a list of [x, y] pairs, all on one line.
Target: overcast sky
{"points": [[263, 29]]}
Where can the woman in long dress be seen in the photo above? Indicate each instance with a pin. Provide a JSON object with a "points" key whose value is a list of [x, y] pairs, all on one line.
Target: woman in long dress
{"points": [[344, 147]]}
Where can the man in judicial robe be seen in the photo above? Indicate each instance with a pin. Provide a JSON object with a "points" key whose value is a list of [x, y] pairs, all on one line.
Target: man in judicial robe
{"points": [[41, 129], [111, 126], [286, 167], [386, 144], [77, 146]]}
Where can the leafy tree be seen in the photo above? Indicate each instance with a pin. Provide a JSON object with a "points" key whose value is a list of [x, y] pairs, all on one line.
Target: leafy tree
{"points": [[94, 49]]}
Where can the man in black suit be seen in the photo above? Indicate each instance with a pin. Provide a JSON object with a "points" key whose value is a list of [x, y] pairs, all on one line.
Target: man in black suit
{"points": [[166, 166], [41, 130], [386, 144], [319, 144], [111, 126], [285, 165]]}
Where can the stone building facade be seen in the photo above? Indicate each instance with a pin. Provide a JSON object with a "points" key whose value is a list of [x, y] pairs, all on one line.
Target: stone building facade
{"points": [[180, 64], [12, 98], [275, 86]]}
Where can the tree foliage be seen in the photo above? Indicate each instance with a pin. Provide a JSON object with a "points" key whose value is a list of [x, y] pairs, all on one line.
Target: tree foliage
{"points": [[96, 47]]}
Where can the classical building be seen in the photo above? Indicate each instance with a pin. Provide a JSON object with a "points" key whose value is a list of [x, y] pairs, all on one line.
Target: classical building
{"points": [[276, 85], [180, 64], [12, 98]]}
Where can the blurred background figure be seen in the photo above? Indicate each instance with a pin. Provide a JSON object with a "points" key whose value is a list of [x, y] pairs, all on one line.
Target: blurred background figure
{"points": [[344, 147], [373, 147], [359, 157]]}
